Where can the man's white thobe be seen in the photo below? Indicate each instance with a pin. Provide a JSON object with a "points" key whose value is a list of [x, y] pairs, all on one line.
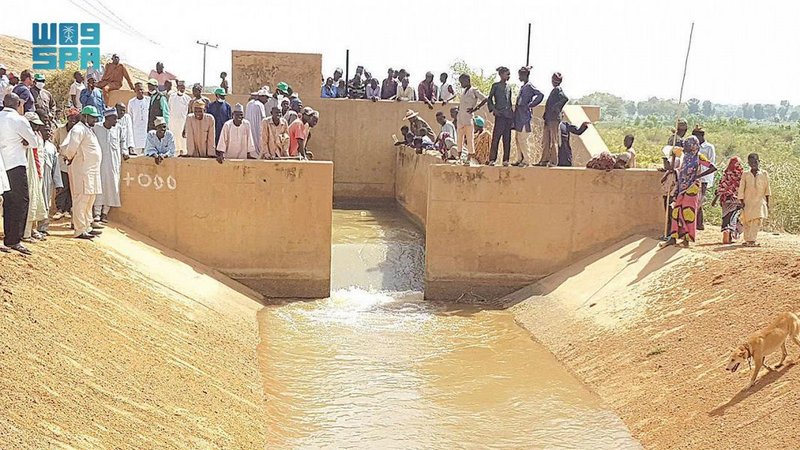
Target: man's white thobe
{"points": [[178, 110], [254, 113], [111, 144], [140, 113], [125, 125], [236, 142], [85, 156]]}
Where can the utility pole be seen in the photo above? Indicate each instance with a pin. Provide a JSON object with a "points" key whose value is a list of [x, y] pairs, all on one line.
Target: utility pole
{"points": [[205, 46]]}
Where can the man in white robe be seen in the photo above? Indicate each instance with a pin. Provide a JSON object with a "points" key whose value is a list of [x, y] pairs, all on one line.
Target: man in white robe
{"points": [[139, 109], [254, 113], [114, 148], [125, 125], [236, 138], [178, 110], [85, 156]]}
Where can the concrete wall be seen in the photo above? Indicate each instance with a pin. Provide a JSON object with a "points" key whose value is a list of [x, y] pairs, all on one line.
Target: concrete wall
{"points": [[251, 70], [266, 224], [411, 183], [491, 230], [357, 136]]}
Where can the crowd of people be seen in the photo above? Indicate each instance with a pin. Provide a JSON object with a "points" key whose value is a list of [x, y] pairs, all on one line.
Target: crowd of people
{"points": [[75, 165], [689, 166], [78, 162]]}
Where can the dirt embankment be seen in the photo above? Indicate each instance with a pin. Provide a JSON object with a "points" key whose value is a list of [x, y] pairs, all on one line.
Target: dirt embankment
{"points": [[99, 351], [651, 332]]}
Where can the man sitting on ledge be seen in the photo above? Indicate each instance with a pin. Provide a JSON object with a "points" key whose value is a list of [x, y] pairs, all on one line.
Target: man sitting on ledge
{"points": [[160, 142], [112, 77]]}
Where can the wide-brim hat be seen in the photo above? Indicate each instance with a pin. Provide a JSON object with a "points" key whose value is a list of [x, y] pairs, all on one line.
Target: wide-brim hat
{"points": [[410, 114], [159, 121]]}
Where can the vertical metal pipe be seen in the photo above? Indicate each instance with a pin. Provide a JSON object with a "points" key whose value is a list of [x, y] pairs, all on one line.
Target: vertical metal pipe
{"points": [[346, 72], [528, 52]]}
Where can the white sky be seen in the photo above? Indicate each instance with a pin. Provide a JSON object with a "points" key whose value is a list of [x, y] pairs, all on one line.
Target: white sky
{"points": [[743, 50]]}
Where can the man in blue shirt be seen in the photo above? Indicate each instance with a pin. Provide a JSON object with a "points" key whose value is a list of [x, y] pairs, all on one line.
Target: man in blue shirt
{"points": [[160, 142], [222, 112], [552, 120], [527, 99], [92, 96], [23, 91], [328, 89]]}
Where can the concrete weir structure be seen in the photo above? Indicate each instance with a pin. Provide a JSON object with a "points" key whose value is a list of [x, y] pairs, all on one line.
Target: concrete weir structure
{"points": [[266, 224], [489, 230]]}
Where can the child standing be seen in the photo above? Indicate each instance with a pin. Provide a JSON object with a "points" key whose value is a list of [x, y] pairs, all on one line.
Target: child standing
{"points": [[754, 194], [224, 81]]}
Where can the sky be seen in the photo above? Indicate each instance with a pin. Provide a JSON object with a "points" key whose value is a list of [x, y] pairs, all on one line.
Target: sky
{"points": [[742, 51]]}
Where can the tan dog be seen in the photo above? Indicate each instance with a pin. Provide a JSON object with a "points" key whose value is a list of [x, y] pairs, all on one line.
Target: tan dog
{"points": [[767, 341]]}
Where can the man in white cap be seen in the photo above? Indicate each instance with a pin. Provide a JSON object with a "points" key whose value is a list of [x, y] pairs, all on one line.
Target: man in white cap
{"points": [[125, 125], [16, 135], [254, 113], [84, 156], [179, 109], [199, 131], [139, 109], [274, 135], [236, 138], [36, 207], [160, 142], [114, 149]]}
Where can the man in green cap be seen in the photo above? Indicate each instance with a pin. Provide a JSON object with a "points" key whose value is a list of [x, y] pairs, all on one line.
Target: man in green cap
{"points": [[42, 98], [83, 154], [158, 105], [221, 111]]}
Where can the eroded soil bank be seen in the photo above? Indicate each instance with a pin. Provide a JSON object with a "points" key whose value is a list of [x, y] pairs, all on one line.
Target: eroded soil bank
{"points": [[100, 350], [650, 331]]}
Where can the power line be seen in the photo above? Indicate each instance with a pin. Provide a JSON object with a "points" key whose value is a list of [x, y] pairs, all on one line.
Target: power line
{"points": [[112, 24], [123, 22]]}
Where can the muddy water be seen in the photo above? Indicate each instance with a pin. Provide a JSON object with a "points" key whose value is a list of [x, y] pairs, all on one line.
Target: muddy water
{"points": [[376, 367]]}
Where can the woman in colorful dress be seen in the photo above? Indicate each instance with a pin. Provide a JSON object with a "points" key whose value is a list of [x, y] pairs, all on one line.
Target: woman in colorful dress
{"points": [[731, 206], [684, 212]]}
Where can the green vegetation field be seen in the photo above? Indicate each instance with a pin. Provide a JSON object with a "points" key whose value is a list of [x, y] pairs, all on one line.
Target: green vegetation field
{"points": [[778, 144]]}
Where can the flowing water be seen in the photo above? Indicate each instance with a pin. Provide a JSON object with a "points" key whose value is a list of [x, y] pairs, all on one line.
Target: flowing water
{"points": [[376, 367]]}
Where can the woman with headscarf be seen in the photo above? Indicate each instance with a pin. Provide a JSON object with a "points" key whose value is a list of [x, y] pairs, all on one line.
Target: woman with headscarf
{"points": [[684, 212], [731, 206]]}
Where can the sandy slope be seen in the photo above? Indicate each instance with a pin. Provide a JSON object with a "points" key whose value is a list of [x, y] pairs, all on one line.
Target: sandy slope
{"points": [[100, 351], [650, 331]]}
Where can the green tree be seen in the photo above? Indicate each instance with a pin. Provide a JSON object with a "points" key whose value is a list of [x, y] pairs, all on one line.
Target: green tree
{"points": [[693, 105], [708, 108], [630, 108], [747, 111], [480, 80], [758, 111], [783, 110], [794, 116], [770, 112], [611, 106]]}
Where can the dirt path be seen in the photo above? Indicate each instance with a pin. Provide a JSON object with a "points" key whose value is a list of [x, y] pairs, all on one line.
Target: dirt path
{"points": [[655, 347], [95, 353]]}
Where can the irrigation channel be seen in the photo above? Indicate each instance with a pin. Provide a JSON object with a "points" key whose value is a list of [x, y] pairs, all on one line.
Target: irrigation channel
{"points": [[375, 366]]}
